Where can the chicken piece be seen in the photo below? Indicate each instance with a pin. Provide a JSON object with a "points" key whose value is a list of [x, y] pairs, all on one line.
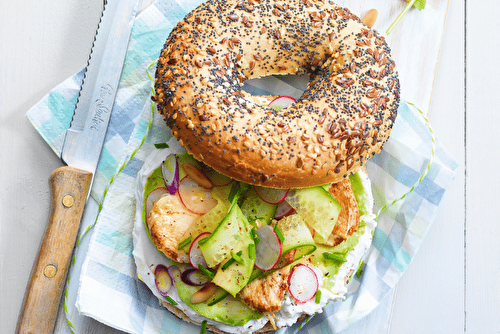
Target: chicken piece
{"points": [[348, 221], [265, 294], [168, 221]]}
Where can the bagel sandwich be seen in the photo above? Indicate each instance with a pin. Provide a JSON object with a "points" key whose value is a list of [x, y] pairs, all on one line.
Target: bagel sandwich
{"points": [[273, 268], [258, 217]]}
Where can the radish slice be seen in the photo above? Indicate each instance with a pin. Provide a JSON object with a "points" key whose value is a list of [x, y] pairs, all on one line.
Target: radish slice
{"points": [[282, 101], [271, 195], [163, 281], [284, 209], [194, 277], [195, 256], [268, 250], [194, 197], [154, 196], [218, 179], [303, 283], [170, 172]]}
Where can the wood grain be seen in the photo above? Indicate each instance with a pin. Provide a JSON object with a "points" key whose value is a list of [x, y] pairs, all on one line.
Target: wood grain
{"points": [[69, 188]]}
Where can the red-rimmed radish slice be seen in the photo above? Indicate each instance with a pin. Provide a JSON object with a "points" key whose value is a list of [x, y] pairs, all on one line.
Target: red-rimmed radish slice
{"points": [[218, 179], [154, 196], [194, 277], [284, 209], [163, 281], [197, 175], [194, 197], [271, 195], [195, 256], [282, 101], [303, 283], [268, 250], [170, 172]]}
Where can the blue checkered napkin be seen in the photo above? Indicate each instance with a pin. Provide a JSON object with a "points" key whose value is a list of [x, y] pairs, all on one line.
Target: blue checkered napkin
{"points": [[104, 282], [52, 115]]}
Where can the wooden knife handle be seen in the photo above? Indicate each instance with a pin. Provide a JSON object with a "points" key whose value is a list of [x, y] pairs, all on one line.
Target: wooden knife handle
{"points": [[69, 188]]}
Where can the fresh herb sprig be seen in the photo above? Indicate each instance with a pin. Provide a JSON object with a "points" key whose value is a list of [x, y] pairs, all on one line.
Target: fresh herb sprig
{"points": [[161, 145], [418, 4]]}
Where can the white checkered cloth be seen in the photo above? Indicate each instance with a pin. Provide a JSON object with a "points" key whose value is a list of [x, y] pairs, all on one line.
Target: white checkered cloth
{"points": [[103, 281]]}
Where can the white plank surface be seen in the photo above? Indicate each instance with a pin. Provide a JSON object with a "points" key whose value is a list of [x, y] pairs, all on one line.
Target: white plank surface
{"points": [[430, 297], [41, 44], [482, 222], [452, 286]]}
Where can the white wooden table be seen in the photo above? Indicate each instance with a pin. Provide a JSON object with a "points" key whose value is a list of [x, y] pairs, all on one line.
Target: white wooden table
{"points": [[453, 284]]}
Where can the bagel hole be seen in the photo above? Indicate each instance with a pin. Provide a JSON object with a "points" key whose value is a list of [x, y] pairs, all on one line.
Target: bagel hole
{"points": [[277, 85]]}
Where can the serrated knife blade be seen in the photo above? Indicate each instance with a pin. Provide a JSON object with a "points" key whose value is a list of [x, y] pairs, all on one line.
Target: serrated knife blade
{"points": [[85, 137], [70, 185]]}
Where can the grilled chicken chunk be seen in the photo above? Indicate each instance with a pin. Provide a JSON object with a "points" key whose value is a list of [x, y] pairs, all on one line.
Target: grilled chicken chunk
{"points": [[348, 221], [168, 221], [265, 294]]}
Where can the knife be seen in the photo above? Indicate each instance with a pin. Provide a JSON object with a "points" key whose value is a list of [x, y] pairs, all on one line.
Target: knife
{"points": [[70, 185]]}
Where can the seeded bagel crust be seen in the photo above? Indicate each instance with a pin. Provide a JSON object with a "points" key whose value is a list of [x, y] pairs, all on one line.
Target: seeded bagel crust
{"points": [[343, 118]]}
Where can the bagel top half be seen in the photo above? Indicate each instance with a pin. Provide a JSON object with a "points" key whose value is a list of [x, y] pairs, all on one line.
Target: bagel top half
{"points": [[342, 119]]}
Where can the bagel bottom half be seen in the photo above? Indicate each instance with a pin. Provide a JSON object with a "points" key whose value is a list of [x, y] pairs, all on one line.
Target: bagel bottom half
{"points": [[148, 257], [182, 316]]}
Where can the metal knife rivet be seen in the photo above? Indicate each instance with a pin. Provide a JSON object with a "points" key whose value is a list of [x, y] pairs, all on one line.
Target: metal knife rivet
{"points": [[50, 271], [68, 201]]}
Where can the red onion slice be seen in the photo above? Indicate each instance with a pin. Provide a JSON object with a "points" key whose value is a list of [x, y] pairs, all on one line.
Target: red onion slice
{"points": [[170, 172], [194, 277], [163, 281]]}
